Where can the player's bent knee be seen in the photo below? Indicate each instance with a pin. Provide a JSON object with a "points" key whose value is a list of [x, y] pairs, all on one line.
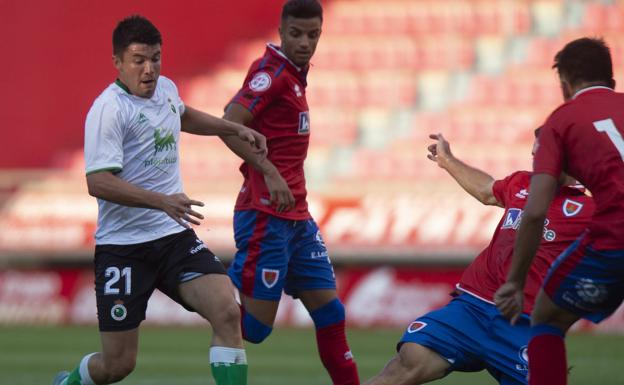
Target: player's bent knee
{"points": [[254, 331]]}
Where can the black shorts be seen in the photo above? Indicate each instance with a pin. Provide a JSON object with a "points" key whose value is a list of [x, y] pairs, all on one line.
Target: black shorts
{"points": [[126, 275]]}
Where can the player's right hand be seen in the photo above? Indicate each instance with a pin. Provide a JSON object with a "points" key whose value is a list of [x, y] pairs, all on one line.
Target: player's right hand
{"points": [[440, 151], [281, 196], [509, 300], [179, 208]]}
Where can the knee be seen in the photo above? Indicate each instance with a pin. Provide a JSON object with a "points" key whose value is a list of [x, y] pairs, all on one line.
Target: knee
{"points": [[227, 317], [118, 369], [254, 331]]}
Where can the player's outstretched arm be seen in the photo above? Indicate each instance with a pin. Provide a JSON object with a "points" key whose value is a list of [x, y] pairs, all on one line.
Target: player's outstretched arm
{"points": [[105, 185], [280, 193], [200, 123], [476, 182]]}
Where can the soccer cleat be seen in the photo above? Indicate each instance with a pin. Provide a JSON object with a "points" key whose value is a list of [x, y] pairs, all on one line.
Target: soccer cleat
{"points": [[60, 377]]}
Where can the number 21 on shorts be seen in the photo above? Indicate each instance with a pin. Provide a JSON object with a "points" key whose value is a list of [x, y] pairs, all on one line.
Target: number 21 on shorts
{"points": [[113, 274], [608, 126]]}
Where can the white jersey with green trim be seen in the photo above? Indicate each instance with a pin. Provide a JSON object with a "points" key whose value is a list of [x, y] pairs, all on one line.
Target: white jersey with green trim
{"points": [[137, 139]]}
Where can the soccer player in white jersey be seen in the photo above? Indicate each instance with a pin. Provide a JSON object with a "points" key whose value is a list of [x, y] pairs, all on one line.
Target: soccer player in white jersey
{"points": [[143, 238]]}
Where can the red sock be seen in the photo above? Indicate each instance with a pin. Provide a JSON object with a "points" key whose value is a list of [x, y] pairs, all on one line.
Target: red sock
{"points": [[336, 355], [547, 360]]}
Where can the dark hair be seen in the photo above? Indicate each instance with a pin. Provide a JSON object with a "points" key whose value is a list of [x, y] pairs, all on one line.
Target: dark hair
{"points": [[302, 9], [134, 29], [585, 60], [537, 131]]}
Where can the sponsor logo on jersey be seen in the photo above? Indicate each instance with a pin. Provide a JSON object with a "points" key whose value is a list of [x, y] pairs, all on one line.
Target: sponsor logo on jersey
{"points": [[348, 355], [270, 277], [119, 311], [548, 234], [304, 123], [416, 326], [297, 90], [590, 291], [260, 82], [522, 194], [571, 208], [163, 140], [512, 219]]}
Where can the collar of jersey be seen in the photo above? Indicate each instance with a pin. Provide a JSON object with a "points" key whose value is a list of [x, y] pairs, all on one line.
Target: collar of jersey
{"points": [[281, 54], [590, 89], [123, 86]]}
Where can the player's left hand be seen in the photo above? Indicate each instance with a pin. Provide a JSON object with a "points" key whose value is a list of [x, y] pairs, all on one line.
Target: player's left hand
{"points": [[255, 139], [509, 300]]}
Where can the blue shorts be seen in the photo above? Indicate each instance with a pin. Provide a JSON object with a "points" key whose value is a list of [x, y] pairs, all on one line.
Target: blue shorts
{"points": [[587, 282], [472, 335], [275, 254]]}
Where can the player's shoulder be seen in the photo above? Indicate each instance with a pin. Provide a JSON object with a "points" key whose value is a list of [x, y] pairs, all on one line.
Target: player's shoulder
{"points": [[167, 84], [519, 177], [112, 98], [266, 71]]}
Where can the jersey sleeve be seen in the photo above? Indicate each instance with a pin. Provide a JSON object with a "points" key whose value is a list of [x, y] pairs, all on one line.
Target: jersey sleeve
{"points": [[261, 87], [548, 156], [103, 147], [500, 188]]}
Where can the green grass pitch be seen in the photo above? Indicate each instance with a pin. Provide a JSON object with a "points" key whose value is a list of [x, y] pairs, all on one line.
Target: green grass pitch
{"points": [[171, 356]]}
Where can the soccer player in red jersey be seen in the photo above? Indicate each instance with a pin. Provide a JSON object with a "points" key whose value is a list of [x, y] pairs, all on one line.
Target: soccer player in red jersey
{"points": [[469, 333], [583, 137], [279, 246]]}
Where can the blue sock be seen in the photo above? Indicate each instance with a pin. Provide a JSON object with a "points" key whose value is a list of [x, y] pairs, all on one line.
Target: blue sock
{"points": [[254, 331], [328, 314]]}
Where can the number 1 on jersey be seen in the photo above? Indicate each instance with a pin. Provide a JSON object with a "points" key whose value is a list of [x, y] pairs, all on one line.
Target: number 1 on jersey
{"points": [[608, 126]]}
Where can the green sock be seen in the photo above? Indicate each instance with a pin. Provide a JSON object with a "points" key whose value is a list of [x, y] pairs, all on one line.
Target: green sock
{"points": [[74, 378], [228, 374]]}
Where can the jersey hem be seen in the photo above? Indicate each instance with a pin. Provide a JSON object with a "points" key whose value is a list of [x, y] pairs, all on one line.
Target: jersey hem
{"points": [[112, 168], [135, 241], [301, 217]]}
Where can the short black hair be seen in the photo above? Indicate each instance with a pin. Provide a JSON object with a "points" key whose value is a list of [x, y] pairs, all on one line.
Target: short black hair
{"points": [[585, 60], [302, 9], [134, 29]]}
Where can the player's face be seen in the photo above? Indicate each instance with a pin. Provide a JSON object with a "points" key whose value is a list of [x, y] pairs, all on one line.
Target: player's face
{"points": [[299, 38], [139, 68]]}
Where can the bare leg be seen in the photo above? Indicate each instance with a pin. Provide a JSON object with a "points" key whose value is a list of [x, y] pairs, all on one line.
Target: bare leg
{"points": [[212, 296], [413, 365]]}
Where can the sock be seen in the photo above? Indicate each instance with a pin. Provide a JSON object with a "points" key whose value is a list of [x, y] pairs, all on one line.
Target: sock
{"points": [[80, 375], [229, 365], [253, 330], [547, 356], [332, 344]]}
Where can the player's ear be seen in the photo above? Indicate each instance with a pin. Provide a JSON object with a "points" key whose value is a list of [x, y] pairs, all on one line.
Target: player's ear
{"points": [[117, 62]]}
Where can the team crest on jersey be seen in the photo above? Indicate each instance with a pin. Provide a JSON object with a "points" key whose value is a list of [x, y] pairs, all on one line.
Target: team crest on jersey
{"points": [[304, 123], [270, 277], [260, 82], [512, 219], [416, 326], [571, 208]]}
